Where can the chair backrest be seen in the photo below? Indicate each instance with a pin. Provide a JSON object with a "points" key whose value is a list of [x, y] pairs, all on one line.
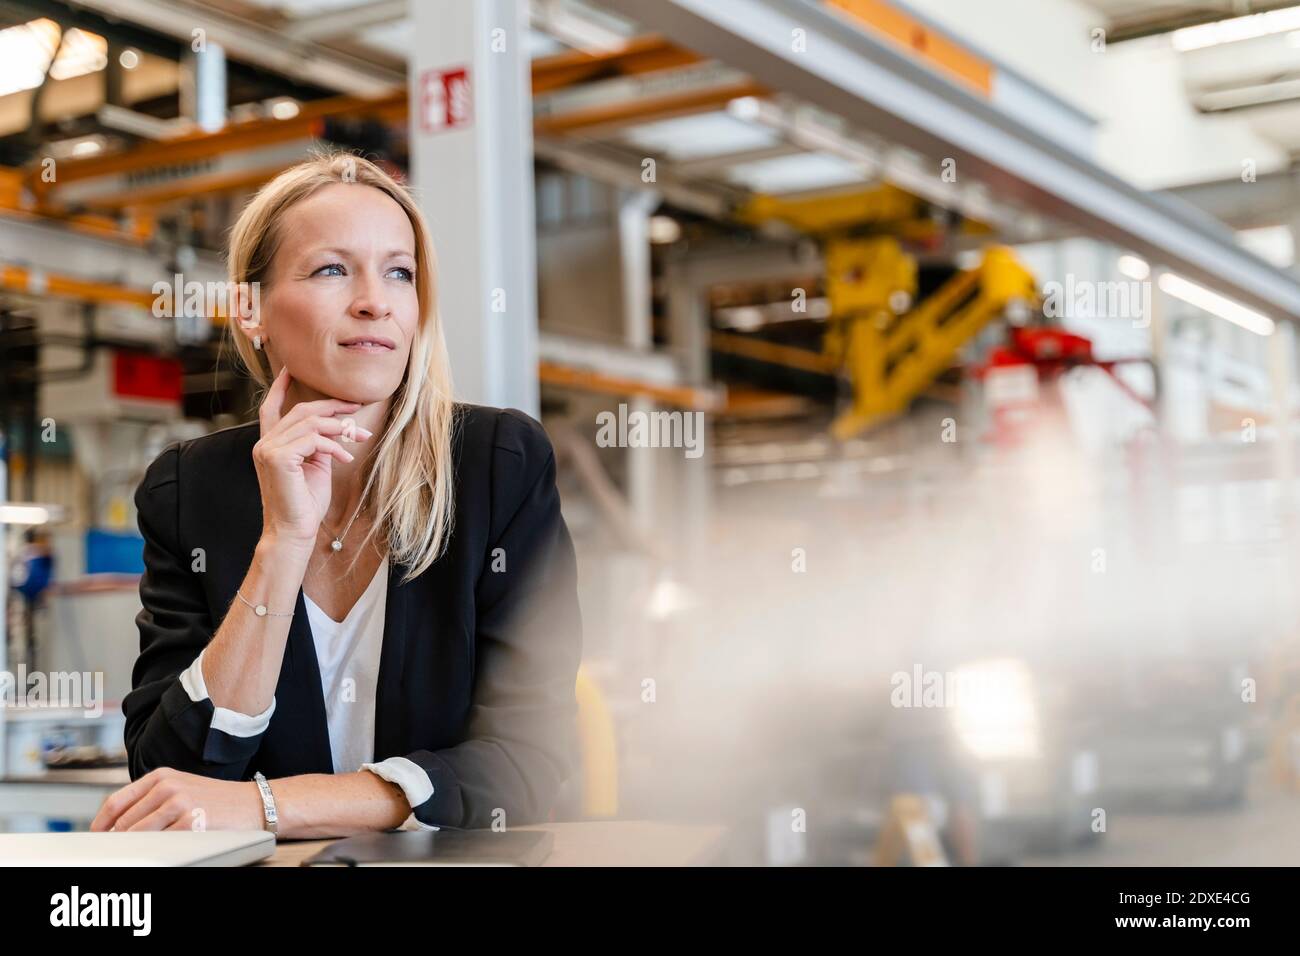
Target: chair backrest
{"points": [[599, 750]]}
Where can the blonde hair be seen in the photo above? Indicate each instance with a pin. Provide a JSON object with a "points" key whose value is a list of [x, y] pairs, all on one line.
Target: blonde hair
{"points": [[410, 479]]}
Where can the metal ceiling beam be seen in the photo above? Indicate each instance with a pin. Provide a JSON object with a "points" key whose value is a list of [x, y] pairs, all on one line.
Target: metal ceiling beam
{"points": [[876, 85], [719, 164], [346, 21], [252, 43], [1270, 200], [114, 282], [44, 248], [810, 129], [1145, 24], [566, 24], [622, 167]]}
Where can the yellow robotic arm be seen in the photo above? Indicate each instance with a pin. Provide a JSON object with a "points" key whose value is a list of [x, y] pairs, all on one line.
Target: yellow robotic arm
{"points": [[892, 354]]}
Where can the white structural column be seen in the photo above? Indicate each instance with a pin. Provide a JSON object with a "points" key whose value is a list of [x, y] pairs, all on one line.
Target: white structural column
{"points": [[1159, 330], [634, 210], [1281, 368], [472, 168], [203, 86]]}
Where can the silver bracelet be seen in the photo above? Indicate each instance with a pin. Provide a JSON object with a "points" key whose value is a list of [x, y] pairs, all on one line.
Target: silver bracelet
{"points": [[260, 609], [272, 823]]}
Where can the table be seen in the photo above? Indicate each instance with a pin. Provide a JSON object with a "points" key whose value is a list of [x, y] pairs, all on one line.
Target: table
{"points": [[60, 794], [592, 843]]}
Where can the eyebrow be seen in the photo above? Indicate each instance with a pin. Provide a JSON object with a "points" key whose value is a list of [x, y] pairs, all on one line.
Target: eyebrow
{"points": [[334, 250]]}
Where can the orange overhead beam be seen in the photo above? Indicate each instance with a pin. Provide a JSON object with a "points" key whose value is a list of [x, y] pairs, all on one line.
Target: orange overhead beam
{"points": [[19, 279], [773, 353], [147, 196], [564, 376], [660, 107], [926, 44], [13, 206], [639, 55], [642, 54], [197, 146], [762, 403]]}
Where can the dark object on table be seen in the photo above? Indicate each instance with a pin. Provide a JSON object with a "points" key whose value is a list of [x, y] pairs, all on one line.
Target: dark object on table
{"points": [[438, 848]]}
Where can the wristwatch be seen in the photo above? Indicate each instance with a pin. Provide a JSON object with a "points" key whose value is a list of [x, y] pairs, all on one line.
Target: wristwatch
{"points": [[268, 803]]}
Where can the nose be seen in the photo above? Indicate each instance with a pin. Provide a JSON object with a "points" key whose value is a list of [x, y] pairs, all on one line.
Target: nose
{"points": [[370, 302]]}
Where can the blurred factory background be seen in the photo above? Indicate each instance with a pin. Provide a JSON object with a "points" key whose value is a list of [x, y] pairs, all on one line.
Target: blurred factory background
{"points": [[965, 526]]}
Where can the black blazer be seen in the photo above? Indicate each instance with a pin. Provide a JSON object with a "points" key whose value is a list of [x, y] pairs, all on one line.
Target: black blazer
{"points": [[477, 671]]}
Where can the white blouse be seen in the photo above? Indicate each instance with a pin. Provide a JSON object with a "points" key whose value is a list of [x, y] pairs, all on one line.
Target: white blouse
{"points": [[347, 652]]}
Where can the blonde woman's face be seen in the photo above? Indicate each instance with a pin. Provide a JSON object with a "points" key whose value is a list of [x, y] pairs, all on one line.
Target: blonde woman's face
{"points": [[340, 308]]}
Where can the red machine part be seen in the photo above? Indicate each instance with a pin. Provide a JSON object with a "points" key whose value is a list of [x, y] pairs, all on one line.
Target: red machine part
{"points": [[1052, 351], [140, 375]]}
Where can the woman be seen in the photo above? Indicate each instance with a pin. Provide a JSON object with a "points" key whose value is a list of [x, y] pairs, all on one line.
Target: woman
{"points": [[360, 611]]}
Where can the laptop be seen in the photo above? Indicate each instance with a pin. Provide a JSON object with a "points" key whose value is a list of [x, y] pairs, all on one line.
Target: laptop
{"points": [[159, 848]]}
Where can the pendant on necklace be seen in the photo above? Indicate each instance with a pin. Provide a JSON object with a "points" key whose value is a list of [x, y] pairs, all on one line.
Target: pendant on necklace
{"points": [[336, 545]]}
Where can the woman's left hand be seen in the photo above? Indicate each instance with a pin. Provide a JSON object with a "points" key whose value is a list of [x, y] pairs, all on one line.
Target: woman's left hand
{"points": [[167, 799]]}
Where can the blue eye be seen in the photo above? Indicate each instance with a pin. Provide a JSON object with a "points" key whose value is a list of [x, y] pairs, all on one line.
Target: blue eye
{"points": [[332, 265], [406, 274]]}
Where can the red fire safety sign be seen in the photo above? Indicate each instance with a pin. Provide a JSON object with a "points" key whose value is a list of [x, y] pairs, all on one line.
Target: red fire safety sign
{"points": [[445, 101]]}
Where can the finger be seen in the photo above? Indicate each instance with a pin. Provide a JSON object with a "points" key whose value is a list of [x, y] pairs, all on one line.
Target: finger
{"points": [[313, 444], [119, 800], [160, 819], [144, 806], [325, 407], [105, 816], [319, 425], [273, 402]]}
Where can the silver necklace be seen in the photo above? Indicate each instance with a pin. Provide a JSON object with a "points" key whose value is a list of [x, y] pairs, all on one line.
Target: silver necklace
{"points": [[337, 543]]}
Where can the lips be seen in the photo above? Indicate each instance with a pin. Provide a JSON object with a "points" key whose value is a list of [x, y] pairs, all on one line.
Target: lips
{"points": [[368, 343]]}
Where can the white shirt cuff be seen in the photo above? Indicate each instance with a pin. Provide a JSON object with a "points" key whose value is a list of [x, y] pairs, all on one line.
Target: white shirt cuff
{"points": [[414, 782], [410, 823], [228, 721]]}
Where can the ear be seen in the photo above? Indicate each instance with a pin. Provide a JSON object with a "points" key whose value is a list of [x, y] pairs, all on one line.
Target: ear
{"points": [[246, 309]]}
